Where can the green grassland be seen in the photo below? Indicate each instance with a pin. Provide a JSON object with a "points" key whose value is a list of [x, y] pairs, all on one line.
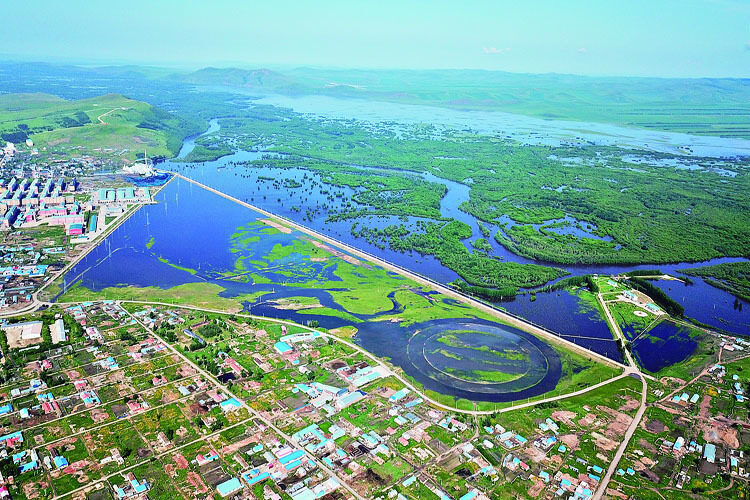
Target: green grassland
{"points": [[111, 123], [484, 376], [196, 294], [578, 372], [526, 420], [622, 312], [452, 340], [357, 288]]}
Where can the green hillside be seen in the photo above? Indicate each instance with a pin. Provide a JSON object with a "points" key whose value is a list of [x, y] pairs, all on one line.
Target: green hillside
{"points": [[110, 124]]}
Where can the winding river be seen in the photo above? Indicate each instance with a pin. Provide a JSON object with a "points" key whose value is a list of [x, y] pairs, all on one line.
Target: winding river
{"points": [[559, 310]]}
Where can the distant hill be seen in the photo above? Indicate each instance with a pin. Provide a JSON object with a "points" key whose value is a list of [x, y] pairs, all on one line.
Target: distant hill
{"points": [[706, 106], [112, 122], [258, 79]]}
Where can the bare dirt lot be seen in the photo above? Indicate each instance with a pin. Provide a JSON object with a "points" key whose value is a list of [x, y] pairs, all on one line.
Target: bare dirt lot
{"points": [[13, 334], [277, 225]]}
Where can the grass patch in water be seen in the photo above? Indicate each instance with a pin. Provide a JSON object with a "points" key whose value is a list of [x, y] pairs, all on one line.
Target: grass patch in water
{"points": [[197, 294], [181, 268]]}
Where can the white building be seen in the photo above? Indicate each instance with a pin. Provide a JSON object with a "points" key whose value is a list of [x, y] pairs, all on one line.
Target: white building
{"points": [[58, 331]]}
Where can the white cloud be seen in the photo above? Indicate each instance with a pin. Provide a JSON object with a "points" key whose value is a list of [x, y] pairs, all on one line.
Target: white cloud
{"points": [[494, 50], [582, 50]]}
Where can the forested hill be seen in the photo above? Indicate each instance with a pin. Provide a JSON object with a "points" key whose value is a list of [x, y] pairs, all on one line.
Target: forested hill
{"points": [[706, 106]]}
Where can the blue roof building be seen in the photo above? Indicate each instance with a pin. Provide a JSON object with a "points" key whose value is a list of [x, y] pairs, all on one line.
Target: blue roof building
{"points": [[28, 466], [288, 458], [282, 347], [253, 479], [709, 452], [470, 495], [229, 487], [230, 404]]}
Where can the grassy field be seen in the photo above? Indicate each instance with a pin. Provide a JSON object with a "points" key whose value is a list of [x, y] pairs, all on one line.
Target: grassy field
{"points": [[357, 288], [196, 294], [630, 324], [557, 204], [525, 421]]}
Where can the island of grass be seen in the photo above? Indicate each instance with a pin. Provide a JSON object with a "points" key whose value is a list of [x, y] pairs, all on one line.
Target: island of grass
{"points": [[578, 372], [733, 277], [206, 295], [633, 320], [484, 376], [453, 340]]}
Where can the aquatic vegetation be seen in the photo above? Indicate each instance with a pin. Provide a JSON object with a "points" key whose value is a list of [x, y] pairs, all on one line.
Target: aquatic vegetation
{"points": [[664, 345], [491, 277], [453, 339], [490, 376], [181, 268], [290, 275], [206, 295]]}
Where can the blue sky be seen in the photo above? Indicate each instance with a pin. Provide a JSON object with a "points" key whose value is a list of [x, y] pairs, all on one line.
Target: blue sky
{"points": [[693, 38]]}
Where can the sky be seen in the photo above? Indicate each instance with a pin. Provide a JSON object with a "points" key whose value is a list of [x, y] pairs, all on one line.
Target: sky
{"points": [[665, 38]]}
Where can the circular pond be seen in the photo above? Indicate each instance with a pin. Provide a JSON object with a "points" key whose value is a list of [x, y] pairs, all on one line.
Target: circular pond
{"points": [[482, 361]]}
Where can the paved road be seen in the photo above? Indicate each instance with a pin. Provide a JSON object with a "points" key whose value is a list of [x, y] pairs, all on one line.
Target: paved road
{"points": [[615, 328], [629, 369], [628, 372]]}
